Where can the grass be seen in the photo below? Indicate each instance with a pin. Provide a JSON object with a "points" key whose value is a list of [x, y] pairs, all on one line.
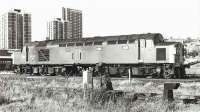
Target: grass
{"points": [[20, 94]]}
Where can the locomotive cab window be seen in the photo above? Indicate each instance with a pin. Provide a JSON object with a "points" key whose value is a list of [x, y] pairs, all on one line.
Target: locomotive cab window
{"points": [[112, 42], [98, 43], [160, 54], [122, 41]]}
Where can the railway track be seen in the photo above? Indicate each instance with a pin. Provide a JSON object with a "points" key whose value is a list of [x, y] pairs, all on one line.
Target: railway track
{"points": [[11, 76], [168, 80]]}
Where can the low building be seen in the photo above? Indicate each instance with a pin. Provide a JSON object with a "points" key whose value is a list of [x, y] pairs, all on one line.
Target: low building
{"points": [[6, 59]]}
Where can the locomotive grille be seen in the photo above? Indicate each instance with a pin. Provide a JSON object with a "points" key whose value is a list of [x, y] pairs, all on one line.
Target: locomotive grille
{"points": [[43, 54]]}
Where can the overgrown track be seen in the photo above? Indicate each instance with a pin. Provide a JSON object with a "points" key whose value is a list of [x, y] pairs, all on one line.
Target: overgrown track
{"points": [[114, 79], [168, 80], [132, 79]]}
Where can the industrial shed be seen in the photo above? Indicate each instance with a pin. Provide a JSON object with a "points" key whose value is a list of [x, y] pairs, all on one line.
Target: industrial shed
{"points": [[5, 60]]}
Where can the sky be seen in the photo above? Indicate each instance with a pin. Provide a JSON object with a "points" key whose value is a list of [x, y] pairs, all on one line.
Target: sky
{"points": [[172, 18]]}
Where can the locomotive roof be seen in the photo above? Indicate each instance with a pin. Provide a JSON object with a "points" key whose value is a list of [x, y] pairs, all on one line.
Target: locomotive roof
{"points": [[168, 43], [153, 36]]}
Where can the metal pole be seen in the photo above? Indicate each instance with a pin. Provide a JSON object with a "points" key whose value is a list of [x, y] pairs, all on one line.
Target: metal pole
{"points": [[129, 75]]}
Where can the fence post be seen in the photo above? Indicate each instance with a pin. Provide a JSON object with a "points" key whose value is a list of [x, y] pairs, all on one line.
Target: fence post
{"points": [[87, 83], [129, 74], [168, 91]]}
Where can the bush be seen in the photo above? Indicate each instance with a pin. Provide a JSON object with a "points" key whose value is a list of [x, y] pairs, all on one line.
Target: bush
{"points": [[3, 100]]}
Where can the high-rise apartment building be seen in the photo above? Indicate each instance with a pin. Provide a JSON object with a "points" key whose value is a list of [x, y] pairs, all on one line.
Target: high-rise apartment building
{"points": [[15, 29], [58, 29], [69, 26], [75, 17]]}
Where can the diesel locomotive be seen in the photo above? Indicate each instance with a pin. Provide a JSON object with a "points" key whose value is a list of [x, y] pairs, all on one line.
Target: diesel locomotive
{"points": [[143, 55]]}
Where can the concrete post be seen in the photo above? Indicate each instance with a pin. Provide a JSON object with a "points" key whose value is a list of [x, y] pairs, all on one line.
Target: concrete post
{"points": [[168, 91], [35, 70], [87, 83]]}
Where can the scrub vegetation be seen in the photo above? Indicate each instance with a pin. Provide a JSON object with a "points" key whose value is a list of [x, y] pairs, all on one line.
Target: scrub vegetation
{"points": [[59, 94]]}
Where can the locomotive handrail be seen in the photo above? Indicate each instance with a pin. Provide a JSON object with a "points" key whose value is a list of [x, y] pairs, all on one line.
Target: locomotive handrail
{"points": [[191, 63]]}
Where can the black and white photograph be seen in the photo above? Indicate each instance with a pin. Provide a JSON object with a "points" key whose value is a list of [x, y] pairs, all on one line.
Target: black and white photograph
{"points": [[99, 55]]}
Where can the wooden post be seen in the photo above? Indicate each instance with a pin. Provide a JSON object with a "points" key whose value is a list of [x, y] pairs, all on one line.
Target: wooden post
{"points": [[91, 71], [129, 74], [99, 70], [90, 78]]}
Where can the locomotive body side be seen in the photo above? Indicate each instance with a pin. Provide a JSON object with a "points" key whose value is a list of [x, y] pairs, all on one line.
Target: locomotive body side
{"points": [[120, 53], [144, 54]]}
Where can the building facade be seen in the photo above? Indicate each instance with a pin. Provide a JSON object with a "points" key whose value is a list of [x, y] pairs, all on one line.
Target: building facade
{"points": [[58, 29], [69, 26], [75, 17], [15, 29]]}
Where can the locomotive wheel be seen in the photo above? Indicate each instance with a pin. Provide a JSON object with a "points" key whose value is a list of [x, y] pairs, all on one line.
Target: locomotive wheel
{"points": [[168, 74]]}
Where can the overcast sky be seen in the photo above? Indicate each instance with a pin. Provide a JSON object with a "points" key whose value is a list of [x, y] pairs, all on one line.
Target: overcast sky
{"points": [[177, 18]]}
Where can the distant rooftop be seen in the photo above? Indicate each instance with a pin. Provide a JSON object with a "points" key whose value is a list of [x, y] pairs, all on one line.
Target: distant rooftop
{"points": [[18, 11]]}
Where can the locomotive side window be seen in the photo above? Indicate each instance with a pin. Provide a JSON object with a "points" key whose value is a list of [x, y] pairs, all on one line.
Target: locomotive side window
{"points": [[98, 43], [43, 54], [122, 41], [131, 41], [70, 44], [112, 42], [62, 45], [79, 44], [149, 43], [88, 43], [160, 54]]}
